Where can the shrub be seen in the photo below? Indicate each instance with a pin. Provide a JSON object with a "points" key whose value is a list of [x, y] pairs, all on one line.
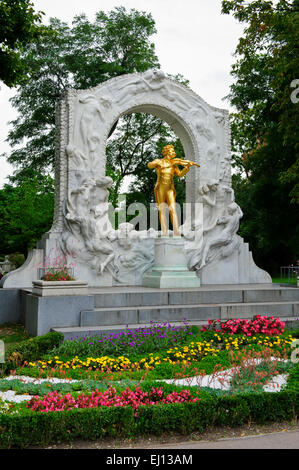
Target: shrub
{"points": [[17, 259], [31, 349], [4, 406], [22, 430]]}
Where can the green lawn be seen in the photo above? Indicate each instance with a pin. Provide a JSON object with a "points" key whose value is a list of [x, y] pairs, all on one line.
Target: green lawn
{"points": [[285, 280], [12, 333]]}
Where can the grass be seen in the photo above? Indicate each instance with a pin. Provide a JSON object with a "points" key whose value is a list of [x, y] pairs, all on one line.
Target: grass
{"points": [[12, 333], [280, 280]]}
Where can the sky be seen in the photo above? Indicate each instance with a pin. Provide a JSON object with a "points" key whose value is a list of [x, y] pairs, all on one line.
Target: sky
{"points": [[193, 38]]}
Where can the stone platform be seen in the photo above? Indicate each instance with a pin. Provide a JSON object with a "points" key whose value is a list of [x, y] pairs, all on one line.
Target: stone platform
{"points": [[110, 309]]}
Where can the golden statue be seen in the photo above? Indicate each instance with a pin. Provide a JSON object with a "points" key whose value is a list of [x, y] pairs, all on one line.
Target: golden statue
{"points": [[164, 190]]}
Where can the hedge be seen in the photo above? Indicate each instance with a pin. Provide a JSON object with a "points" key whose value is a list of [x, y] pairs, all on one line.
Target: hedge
{"points": [[22, 430], [38, 428]]}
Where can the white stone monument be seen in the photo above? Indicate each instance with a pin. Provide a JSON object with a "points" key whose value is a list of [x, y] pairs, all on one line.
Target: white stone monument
{"points": [[81, 228]]}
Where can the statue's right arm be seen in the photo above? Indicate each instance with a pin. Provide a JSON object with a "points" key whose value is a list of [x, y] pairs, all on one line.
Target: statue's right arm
{"points": [[153, 164]]}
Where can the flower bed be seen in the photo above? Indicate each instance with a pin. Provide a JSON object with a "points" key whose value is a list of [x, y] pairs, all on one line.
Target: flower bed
{"points": [[54, 401], [181, 356], [194, 351], [155, 337], [258, 325], [55, 268]]}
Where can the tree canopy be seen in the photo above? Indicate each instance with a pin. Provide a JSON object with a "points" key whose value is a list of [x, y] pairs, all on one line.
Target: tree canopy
{"points": [[81, 56], [264, 127], [26, 213], [19, 25], [78, 56]]}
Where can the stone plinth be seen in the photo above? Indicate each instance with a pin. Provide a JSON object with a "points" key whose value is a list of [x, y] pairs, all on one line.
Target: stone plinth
{"points": [[170, 269], [46, 288]]}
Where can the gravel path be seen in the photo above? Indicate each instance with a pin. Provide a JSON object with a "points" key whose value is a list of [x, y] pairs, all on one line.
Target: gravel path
{"points": [[219, 381]]}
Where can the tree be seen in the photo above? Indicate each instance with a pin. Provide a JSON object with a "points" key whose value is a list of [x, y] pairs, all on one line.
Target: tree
{"points": [[26, 213], [83, 56], [79, 56], [264, 127], [19, 25]]}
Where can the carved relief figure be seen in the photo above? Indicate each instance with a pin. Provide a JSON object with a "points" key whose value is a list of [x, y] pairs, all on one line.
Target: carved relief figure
{"points": [[98, 197], [202, 122], [152, 80], [91, 118], [224, 197], [156, 82], [225, 169], [77, 202], [76, 158], [207, 196], [134, 254], [105, 100], [87, 215], [90, 237], [219, 116], [230, 227], [135, 86], [97, 243]]}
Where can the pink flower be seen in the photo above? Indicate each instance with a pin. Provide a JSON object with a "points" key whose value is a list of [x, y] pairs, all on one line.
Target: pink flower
{"points": [[53, 401]]}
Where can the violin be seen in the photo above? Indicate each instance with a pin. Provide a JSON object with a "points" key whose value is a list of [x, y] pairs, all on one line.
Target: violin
{"points": [[180, 161]]}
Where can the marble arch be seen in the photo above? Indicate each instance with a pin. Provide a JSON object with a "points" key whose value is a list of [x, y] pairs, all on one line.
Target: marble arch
{"points": [[204, 130], [81, 229]]}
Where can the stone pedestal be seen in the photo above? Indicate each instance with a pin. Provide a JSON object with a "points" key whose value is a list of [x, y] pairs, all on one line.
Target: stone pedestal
{"points": [[170, 269]]}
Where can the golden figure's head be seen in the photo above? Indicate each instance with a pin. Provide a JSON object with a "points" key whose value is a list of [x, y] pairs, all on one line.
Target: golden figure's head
{"points": [[168, 151]]}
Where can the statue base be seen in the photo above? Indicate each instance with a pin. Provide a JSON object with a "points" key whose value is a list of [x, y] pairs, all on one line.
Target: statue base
{"points": [[170, 269]]}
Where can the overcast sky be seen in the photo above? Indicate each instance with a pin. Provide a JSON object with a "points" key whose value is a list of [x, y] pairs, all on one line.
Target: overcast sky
{"points": [[193, 39]]}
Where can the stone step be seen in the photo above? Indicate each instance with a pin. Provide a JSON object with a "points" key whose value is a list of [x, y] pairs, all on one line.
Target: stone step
{"points": [[152, 297], [83, 331], [191, 312]]}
